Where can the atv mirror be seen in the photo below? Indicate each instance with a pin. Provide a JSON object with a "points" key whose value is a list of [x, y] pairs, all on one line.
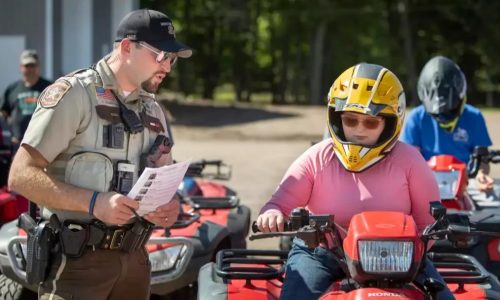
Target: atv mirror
{"points": [[437, 209]]}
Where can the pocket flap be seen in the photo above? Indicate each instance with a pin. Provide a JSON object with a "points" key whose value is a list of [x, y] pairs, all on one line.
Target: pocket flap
{"points": [[151, 123], [109, 113]]}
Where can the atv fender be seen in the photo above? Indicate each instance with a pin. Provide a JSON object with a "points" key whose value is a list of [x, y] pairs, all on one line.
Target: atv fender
{"points": [[210, 285]]}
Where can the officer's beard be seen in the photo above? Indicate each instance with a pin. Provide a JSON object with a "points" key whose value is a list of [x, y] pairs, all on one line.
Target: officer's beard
{"points": [[152, 84]]}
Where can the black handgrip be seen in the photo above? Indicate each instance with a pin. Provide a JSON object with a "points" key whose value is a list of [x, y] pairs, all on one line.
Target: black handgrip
{"points": [[255, 228]]}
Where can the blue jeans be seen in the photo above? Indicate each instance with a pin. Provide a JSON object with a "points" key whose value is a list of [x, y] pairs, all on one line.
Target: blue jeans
{"points": [[309, 273]]}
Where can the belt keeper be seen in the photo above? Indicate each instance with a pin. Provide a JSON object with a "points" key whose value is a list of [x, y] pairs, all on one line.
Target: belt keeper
{"points": [[92, 202]]}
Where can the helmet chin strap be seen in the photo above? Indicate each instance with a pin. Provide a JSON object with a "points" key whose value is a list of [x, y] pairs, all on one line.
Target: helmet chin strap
{"points": [[449, 126]]}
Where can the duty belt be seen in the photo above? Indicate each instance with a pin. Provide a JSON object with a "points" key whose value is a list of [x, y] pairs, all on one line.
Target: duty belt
{"points": [[128, 237], [76, 237]]}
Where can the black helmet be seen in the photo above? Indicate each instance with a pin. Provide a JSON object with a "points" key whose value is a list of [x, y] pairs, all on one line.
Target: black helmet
{"points": [[442, 88]]}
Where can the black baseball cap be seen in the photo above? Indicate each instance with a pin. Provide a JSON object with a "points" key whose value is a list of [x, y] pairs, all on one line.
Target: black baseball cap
{"points": [[154, 28]]}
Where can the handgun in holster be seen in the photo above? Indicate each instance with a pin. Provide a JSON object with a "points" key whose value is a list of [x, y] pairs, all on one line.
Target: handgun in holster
{"points": [[162, 145], [41, 241]]}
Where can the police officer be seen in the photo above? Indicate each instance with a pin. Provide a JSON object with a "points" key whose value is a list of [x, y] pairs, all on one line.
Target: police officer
{"points": [[20, 97], [82, 152]]}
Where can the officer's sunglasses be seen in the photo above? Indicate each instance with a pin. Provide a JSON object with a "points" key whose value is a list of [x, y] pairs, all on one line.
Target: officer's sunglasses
{"points": [[369, 123], [161, 56]]}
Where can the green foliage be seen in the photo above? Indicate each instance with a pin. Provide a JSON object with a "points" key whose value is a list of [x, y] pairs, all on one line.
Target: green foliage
{"points": [[290, 51]]}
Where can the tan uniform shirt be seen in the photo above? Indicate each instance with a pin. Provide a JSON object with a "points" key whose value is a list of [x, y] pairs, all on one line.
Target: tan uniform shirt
{"points": [[71, 129]]}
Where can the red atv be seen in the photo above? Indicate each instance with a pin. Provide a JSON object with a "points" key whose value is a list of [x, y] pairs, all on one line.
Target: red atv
{"points": [[11, 206], [371, 256], [211, 219], [452, 177]]}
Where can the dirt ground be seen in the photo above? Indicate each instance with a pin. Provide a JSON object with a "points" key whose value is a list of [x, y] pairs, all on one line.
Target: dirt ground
{"points": [[260, 142]]}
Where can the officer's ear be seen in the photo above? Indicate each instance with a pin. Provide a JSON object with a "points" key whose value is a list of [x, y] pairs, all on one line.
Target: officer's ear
{"points": [[125, 47]]}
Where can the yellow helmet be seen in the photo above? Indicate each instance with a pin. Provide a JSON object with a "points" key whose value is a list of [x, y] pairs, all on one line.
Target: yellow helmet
{"points": [[371, 90]]}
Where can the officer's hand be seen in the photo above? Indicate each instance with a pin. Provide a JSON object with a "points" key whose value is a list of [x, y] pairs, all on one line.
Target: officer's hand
{"points": [[271, 221], [114, 208], [165, 215], [484, 182]]}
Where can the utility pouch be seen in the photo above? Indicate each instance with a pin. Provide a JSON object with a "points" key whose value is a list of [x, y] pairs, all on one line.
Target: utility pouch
{"points": [[113, 136], [74, 237], [124, 177], [41, 240], [137, 236]]}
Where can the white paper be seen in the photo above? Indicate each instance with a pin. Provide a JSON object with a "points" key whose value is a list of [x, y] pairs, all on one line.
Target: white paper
{"points": [[157, 186]]}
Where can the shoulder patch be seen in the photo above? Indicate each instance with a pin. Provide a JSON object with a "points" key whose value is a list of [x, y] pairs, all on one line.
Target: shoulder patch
{"points": [[54, 93]]}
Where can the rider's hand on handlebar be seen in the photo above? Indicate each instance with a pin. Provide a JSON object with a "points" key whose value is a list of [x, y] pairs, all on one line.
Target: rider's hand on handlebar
{"points": [[271, 221], [484, 182]]}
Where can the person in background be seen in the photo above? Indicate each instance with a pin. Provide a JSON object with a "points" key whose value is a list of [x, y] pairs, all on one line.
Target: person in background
{"points": [[20, 97], [444, 123]]}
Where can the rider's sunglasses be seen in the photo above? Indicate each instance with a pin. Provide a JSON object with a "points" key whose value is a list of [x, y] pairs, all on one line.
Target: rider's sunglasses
{"points": [[370, 123], [161, 56]]}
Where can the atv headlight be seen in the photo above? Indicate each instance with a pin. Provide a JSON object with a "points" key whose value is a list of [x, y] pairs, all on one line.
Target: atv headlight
{"points": [[164, 259], [447, 183], [385, 256]]}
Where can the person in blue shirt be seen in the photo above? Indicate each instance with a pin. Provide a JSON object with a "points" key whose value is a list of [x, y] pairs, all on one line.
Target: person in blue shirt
{"points": [[444, 123]]}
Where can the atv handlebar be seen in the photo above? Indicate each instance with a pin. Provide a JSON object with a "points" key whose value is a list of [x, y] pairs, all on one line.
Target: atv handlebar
{"points": [[299, 218], [456, 227], [479, 156], [309, 228]]}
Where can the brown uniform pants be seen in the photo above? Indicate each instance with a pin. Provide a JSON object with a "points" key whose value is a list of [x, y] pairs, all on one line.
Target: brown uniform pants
{"points": [[99, 274]]}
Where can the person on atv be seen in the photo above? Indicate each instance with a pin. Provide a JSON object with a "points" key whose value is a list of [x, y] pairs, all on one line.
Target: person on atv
{"points": [[82, 153], [362, 167], [444, 123]]}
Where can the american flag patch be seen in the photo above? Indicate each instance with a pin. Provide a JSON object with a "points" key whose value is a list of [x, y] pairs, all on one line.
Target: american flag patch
{"points": [[103, 94]]}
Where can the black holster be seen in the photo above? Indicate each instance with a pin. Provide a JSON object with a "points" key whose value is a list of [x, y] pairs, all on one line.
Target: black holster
{"points": [[42, 239], [137, 236], [73, 238]]}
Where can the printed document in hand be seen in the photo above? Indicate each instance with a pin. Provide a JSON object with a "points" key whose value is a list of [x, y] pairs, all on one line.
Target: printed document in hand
{"points": [[157, 186]]}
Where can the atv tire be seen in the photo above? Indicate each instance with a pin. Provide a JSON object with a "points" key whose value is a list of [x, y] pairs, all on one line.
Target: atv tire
{"points": [[11, 290]]}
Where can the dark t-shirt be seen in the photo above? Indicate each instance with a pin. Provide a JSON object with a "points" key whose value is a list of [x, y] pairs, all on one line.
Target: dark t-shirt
{"points": [[19, 101]]}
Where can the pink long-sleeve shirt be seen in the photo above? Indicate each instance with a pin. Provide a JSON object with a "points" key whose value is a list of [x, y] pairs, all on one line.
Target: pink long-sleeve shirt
{"points": [[401, 181]]}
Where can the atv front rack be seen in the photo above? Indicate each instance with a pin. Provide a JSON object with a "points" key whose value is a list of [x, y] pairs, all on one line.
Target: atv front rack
{"points": [[459, 268], [200, 202], [250, 264], [210, 169]]}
